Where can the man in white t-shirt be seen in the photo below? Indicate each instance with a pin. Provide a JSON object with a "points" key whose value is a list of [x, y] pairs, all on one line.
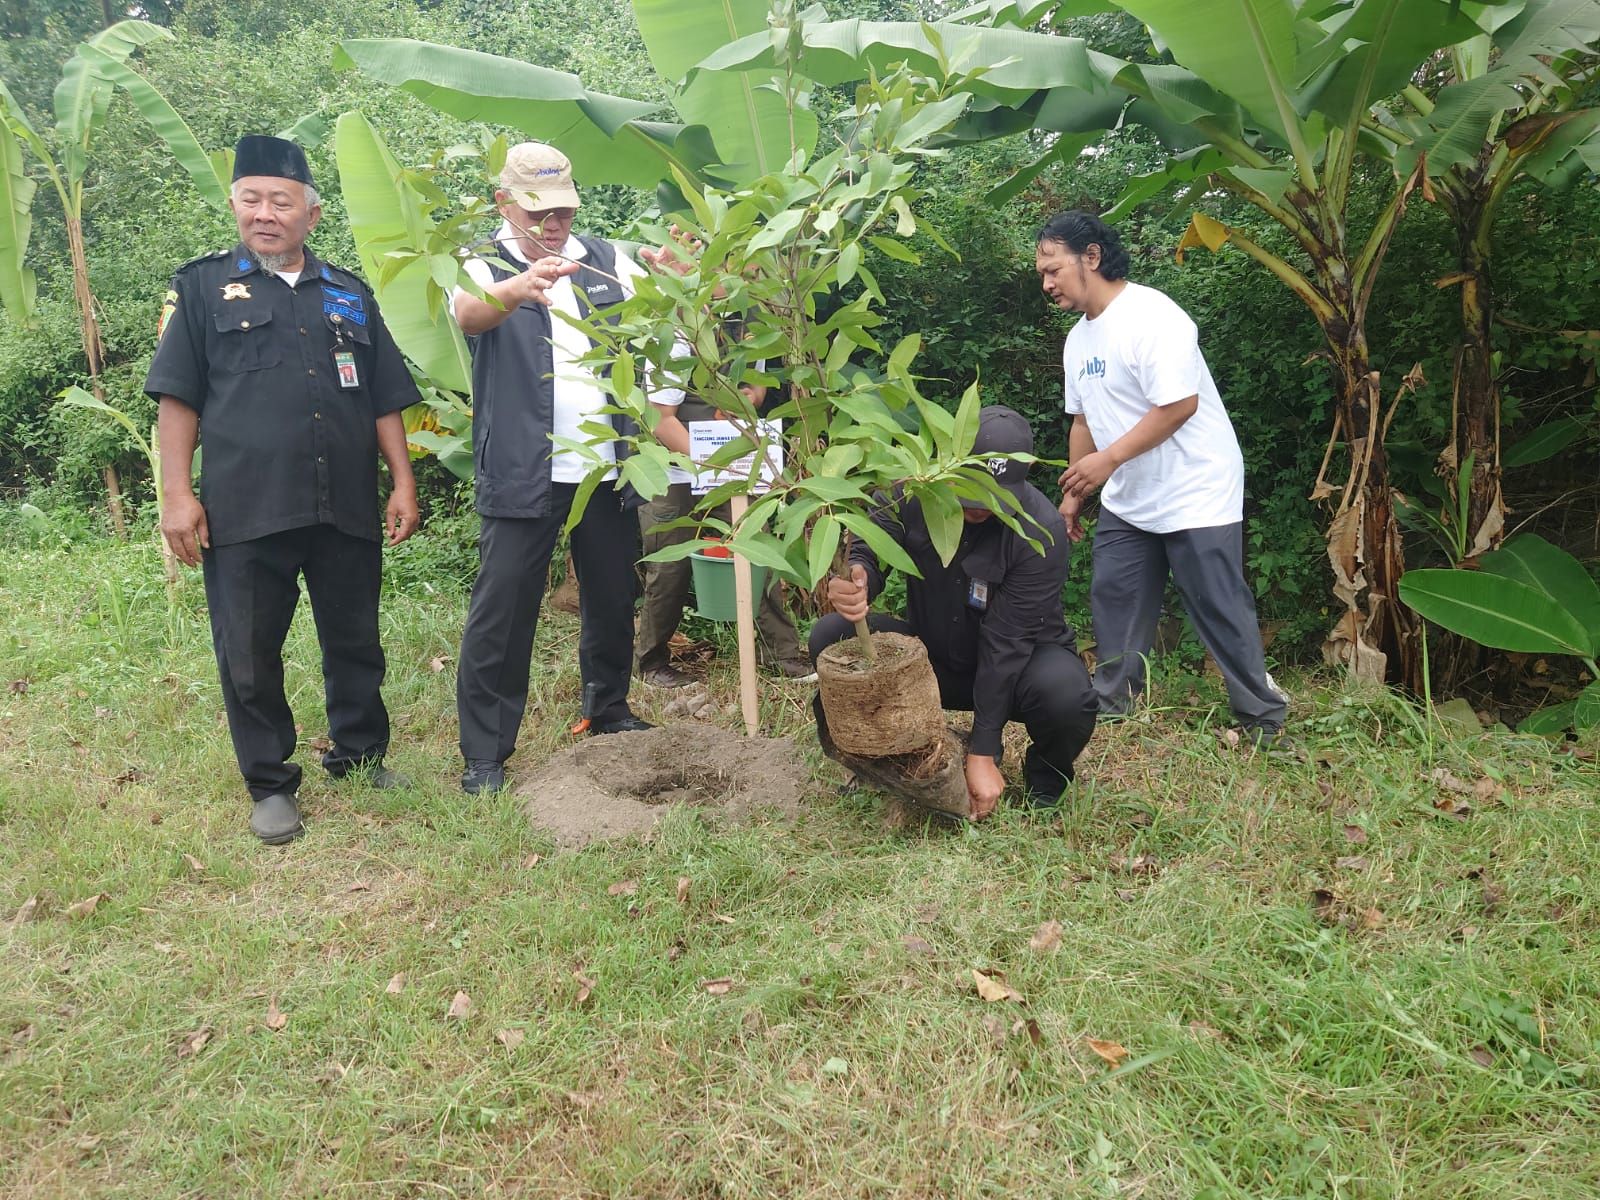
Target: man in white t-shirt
{"points": [[530, 392], [1149, 432]]}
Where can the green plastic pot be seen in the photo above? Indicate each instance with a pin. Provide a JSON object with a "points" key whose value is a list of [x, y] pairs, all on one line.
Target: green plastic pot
{"points": [[714, 594]]}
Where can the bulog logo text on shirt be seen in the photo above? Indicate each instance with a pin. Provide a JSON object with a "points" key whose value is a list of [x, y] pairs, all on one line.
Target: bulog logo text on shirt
{"points": [[1094, 368]]}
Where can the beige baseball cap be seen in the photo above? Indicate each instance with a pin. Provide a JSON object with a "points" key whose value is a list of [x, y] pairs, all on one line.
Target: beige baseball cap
{"points": [[538, 176]]}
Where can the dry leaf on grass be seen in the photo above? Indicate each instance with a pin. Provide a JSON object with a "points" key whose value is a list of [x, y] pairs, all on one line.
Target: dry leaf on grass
{"points": [[1450, 806], [585, 988], [86, 906], [438, 663], [717, 987], [1353, 862], [1111, 1052], [194, 864], [993, 987], [26, 913], [320, 744], [276, 1020], [397, 983], [1371, 918], [460, 1007], [1047, 937], [1030, 1027], [1202, 1030], [623, 887], [916, 945], [532, 861], [1482, 1056], [1449, 781], [358, 886], [683, 889], [510, 1038], [1355, 835], [192, 1043], [18, 687]]}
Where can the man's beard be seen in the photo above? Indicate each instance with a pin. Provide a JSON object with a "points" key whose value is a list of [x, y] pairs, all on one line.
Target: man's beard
{"points": [[276, 263]]}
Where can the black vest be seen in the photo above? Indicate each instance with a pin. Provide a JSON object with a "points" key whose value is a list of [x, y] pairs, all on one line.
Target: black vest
{"points": [[513, 394]]}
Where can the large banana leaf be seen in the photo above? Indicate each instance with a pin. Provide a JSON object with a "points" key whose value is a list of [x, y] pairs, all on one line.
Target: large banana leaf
{"points": [[17, 282], [1530, 559], [381, 206], [83, 93], [748, 120], [1492, 610], [606, 137], [1246, 49], [164, 119], [843, 51], [1373, 48]]}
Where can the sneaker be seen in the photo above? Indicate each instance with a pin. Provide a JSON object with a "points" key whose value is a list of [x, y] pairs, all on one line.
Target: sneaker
{"points": [[667, 677], [796, 669], [628, 724], [275, 819], [483, 775]]}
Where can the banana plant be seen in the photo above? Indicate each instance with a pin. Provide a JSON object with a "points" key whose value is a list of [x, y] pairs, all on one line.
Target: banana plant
{"points": [[1271, 101], [1519, 102], [81, 100], [1528, 597]]}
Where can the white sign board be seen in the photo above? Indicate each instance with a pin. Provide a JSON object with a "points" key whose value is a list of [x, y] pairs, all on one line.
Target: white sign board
{"points": [[707, 437]]}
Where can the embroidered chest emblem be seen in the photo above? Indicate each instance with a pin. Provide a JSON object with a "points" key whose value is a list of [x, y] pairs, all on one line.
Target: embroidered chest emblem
{"points": [[236, 291]]}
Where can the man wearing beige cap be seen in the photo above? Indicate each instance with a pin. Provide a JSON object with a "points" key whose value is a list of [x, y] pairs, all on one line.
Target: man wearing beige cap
{"points": [[528, 388]]}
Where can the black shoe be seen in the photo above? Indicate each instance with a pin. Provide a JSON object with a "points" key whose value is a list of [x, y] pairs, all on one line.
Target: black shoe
{"points": [[627, 724], [483, 775], [386, 779], [275, 819]]}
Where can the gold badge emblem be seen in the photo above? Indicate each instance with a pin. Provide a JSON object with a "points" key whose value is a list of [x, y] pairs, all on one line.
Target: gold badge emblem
{"points": [[236, 291]]}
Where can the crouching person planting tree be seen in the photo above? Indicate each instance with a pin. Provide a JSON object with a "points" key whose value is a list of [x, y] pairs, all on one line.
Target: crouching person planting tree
{"points": [[991, 621]]}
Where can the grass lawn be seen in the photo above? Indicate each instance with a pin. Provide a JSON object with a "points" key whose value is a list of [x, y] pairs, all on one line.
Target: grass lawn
{"points": [[1318, 981]]}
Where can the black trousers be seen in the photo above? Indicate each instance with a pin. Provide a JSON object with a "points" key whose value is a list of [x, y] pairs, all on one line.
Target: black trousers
{"points": [[1054, 700], [251, 590], [513, 570]]}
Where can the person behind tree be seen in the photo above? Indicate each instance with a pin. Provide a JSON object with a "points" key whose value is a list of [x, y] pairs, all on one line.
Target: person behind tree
{"points": [[281, 366], [666, 584], [1148, 431], [991, 621]]}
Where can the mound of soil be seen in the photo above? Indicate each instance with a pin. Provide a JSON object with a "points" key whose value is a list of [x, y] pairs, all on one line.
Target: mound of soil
{"points": [[622, 783]]}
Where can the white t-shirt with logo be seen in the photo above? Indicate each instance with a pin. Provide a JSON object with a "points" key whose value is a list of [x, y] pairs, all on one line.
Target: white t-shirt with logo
{"points": [[578, 395], [1144, 351]]}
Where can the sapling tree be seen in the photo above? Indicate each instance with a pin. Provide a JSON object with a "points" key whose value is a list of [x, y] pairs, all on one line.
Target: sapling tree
{"points": [[781, 261]]}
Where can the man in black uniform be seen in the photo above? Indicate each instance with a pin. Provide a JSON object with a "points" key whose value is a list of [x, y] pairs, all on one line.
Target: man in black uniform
{"points": [[991, 621], [281, 365], [528, 388]]}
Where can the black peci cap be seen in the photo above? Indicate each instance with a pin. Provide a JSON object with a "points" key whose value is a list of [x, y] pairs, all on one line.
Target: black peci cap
{"points": [[259, 154]]}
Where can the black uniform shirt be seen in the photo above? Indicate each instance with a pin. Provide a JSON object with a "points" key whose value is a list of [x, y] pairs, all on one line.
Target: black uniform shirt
{"points": [[283, 445], [1021, 608]]}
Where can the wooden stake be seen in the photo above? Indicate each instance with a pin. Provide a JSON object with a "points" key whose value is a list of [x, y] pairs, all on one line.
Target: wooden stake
{"points": [[744, 605]]}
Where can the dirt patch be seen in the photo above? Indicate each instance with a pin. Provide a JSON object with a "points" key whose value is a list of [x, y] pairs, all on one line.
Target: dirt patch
{"points": [[612, 786]]}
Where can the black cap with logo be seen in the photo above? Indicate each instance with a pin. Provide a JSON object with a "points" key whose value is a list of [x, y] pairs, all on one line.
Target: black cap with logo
{"points": [[1002, 430]]}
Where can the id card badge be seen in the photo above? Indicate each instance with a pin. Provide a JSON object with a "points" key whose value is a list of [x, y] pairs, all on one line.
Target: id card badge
{"points": [[344, 365], [978, 595]]}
